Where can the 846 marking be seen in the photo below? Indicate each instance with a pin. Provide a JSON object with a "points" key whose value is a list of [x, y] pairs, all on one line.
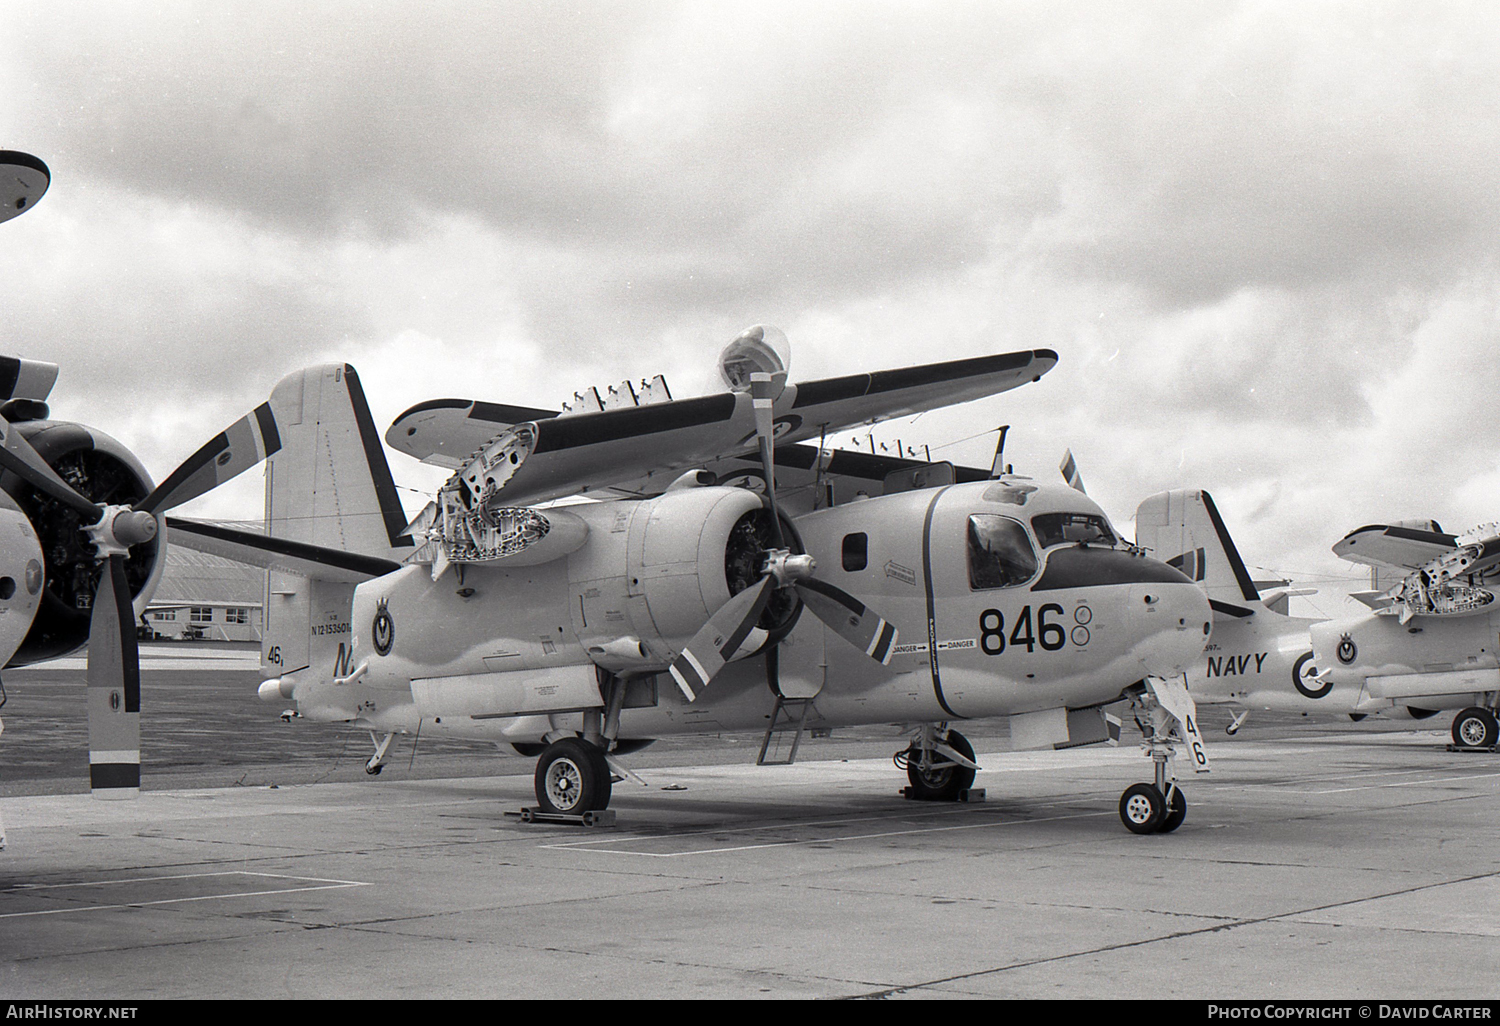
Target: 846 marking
{"points": [[1043, 630]]}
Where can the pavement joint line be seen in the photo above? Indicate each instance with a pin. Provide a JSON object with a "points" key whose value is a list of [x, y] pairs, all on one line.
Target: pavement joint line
{"points": [[27, 888], [1373, 787], [178, 901], [815, 840], [1177, 935]]}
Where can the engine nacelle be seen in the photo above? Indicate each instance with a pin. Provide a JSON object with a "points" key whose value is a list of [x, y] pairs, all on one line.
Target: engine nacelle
{"points": [[103, 470], [649, 576]]}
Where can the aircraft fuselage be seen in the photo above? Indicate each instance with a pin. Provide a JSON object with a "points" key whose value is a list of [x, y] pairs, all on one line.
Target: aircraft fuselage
{"points": [[508, 653]]}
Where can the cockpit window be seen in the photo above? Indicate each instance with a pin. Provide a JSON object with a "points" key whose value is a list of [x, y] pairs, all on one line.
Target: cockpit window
{"points": [[1059, 528], [1000, 554]]}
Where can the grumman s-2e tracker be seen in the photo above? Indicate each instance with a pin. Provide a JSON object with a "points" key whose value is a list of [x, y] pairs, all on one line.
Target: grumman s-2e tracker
{"points": [[1428, 645], [723, 583]]}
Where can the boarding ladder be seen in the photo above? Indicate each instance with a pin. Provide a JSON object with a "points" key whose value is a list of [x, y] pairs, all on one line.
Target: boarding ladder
{"points": [[790, 713]]}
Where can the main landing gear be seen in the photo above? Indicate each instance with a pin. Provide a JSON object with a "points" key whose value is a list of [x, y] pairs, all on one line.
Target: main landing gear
{"points": [[572, 777], [939, 763], [1475, 728], [1171, 716], [575, 773]]}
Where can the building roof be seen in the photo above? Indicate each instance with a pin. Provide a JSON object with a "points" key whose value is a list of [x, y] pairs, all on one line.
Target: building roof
{"points": [[198, 579]]}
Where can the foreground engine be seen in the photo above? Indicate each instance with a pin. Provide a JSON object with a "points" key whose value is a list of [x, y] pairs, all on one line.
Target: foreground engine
{"points": [[101, 469], [634, 582]]}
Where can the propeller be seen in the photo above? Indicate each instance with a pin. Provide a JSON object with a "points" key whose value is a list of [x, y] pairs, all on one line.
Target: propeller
{"points": [[114, 686], [751, 363]]}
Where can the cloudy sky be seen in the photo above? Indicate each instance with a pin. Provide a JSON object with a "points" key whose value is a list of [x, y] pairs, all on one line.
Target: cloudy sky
{"points": [[1261, 236]]}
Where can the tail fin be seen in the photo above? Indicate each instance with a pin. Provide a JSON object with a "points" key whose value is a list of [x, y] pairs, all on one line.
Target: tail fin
{"points": [[330, 486], [1183, 528]]}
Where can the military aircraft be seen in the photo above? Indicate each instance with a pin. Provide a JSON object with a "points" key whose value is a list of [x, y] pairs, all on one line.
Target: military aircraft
{"points": [[1261, 658], [81, 549], [729, 578], [1430, 641]]}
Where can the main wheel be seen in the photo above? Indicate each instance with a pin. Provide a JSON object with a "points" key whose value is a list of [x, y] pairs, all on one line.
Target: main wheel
{"points": [[1142, 808], [572, 777], [1474, 728], [1176, 810], [943, 784]]}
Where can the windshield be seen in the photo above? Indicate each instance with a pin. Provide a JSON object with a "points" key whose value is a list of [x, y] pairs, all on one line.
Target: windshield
{"points": [[1059, 528], [1000, 554]]}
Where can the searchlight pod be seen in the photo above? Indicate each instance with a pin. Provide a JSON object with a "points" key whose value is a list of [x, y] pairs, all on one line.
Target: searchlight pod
{"points": [[23, 181]]}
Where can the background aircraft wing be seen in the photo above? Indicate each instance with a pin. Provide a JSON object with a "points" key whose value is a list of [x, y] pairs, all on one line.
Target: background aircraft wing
{"points": [[587, 452], [1394, 546]]}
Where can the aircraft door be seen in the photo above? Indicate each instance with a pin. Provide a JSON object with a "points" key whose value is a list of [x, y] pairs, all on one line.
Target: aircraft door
{"points": [[983, 625]]}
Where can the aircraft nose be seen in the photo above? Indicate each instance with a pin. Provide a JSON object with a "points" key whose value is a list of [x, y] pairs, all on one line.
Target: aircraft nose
{"points": [[1176, 620]]}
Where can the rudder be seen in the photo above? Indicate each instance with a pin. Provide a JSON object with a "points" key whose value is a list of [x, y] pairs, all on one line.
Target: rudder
{"points": [[1183, 529]]}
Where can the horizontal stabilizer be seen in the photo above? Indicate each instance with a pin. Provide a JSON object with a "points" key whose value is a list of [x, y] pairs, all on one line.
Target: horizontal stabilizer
{"points": [[312, 561]]}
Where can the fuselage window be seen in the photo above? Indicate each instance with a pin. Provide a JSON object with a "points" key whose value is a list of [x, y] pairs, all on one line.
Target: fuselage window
{"points": [[856, 551], [1000, 554], [1056, 528]]}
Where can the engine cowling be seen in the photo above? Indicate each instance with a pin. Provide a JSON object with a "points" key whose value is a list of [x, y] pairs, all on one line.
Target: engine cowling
{"points": [[104, 471], [688, 552]]}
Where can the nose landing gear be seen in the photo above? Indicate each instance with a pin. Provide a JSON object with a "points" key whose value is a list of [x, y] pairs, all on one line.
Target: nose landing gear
{"points": [[1171, 716]]}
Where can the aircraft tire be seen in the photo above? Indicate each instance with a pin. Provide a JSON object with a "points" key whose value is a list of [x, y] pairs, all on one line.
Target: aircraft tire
{"points": [[572, 777], [941, 785], [1142, 808], [1475, 728], [1176, 810]]}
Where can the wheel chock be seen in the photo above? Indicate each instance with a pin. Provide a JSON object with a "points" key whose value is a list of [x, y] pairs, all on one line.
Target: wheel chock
{"points": [[1490, 749], [592, 818], [968, 794]]}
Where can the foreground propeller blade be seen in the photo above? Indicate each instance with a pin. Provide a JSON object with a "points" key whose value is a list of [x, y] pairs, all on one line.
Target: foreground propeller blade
{"points": [[718, 639], [850, 619], [763, 392], [114, 689], [241, 446], [18, 457]]}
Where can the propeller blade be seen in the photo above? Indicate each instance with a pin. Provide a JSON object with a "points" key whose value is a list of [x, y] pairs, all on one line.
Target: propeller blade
{"points": [[850, 619], [114, 689], [242, 445], [763, 392], [18, 457], [705, 655]]}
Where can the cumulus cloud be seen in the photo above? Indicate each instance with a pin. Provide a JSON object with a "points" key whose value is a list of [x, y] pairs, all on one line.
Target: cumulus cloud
{"points": [[1258, 235]]}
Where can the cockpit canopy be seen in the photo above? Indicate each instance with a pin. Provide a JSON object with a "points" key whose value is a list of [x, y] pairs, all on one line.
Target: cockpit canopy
{"points": [[1071, 528], [1002, 553]]}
